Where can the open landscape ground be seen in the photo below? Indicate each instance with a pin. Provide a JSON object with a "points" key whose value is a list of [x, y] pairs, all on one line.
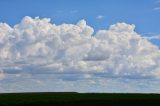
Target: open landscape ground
{"points": [[76, 99]]}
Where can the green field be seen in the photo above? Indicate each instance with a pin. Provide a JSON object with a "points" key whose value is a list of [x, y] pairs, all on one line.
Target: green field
{"points": [[54, 99]]}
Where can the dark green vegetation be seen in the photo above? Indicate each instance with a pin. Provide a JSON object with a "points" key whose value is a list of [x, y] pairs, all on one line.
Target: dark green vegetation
{"points": [[76, 99]]}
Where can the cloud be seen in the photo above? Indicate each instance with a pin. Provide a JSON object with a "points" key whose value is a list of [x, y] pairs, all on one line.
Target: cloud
{"points": [[100, 17], [1, 75], [35, 47], [156, 8], [77, 83], [152, 37], [69, 48]]}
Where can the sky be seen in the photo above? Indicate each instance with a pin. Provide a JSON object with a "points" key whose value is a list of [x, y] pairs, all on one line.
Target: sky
{"points": [[144, 14], [80, 45]]}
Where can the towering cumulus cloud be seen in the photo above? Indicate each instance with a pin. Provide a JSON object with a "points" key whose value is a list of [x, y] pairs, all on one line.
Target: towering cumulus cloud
{"points": [[35, 46]]}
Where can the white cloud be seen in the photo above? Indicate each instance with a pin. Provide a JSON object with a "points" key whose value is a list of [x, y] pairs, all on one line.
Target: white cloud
{"points": [[77, 83], [35, 46], [100, 17], [69, 47], [152, 37], [156, 8]]}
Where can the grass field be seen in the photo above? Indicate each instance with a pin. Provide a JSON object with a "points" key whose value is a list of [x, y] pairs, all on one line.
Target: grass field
{"points": [[75, 99]]}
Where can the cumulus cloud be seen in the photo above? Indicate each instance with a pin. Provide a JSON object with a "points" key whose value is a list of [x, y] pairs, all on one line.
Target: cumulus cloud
{"points": [[69, 48], [36, 46]]}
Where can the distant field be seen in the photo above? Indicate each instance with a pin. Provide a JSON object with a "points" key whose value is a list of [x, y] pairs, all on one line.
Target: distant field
{"points": [[76, 99]]}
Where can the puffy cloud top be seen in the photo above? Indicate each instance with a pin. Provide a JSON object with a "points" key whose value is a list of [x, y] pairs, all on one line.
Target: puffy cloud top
{"points": [[37, 46]]}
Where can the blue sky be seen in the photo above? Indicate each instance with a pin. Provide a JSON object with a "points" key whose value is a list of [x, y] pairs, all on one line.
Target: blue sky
{"points": [[35, 55]]}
